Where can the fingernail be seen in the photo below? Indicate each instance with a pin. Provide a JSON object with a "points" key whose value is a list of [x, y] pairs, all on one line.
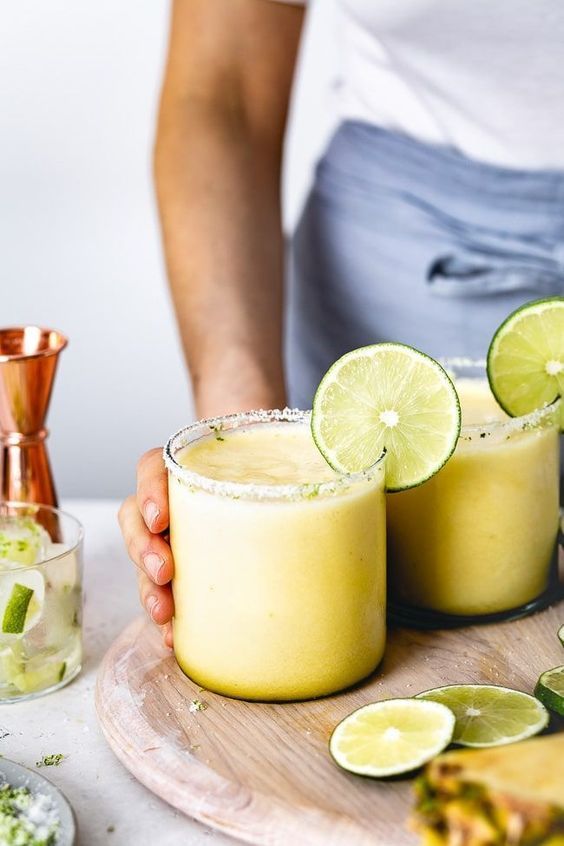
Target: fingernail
{"points": [[151, 604], [151, 512], [153, 563]]}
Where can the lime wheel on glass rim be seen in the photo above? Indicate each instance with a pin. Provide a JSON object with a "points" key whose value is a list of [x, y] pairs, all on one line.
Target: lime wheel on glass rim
{"points": [[526, 358], [387, 397]]}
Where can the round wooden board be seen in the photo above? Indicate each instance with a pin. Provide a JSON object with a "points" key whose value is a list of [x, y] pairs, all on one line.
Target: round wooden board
{"points": [[262, 772]]}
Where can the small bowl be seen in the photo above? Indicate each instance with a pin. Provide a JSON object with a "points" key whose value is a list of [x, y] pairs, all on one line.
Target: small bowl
{"points": [[19, 776]]}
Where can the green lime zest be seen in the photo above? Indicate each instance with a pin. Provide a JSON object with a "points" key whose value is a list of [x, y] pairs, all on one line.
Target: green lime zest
{"points": [[19, 809], [54, 760]]}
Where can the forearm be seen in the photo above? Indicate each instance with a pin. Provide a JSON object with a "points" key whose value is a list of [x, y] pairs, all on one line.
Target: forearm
{"points": [[218, 192]]}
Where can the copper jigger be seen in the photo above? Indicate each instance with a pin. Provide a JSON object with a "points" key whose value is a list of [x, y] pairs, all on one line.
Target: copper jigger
{"points": [[28, 361]]}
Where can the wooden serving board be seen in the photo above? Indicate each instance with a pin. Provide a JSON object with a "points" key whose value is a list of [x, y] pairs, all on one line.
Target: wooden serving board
{"points": [[262, 772]]}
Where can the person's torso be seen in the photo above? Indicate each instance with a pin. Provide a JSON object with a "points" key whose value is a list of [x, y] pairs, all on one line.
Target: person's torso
{"points": [[484, 77]]}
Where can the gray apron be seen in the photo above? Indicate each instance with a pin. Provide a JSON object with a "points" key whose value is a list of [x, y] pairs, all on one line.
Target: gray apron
{"points": [[405, 241]]}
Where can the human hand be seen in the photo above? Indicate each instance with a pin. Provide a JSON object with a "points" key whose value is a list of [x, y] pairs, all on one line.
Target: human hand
{"points": [[143, 518]]}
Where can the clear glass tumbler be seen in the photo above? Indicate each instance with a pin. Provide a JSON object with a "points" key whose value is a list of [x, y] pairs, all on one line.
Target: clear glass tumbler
{"points": [[40, 600], [279, 589], [478, 541]]}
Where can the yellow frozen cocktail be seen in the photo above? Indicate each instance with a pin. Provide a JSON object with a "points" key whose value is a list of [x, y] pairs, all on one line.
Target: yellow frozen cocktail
{"points": [[280, 562], [478, 538]]}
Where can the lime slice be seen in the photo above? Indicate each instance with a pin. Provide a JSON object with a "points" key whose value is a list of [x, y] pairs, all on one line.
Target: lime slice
{"points": [[488, 715], [550, 689], [47, 675], [561, 635], [526, 358], [391, 737], [387, 397]]}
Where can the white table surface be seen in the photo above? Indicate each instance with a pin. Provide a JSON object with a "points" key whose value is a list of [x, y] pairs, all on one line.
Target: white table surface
{"points": [[103, 793]]}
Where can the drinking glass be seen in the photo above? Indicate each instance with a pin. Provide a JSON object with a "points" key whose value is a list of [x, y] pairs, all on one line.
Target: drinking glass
{"points": [[40, 603], [279, 590], [478, 541]]}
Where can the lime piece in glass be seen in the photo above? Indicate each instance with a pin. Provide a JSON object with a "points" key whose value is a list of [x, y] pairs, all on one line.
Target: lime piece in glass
{"points": [[12, 662], [526, 358], [391, 737], [23, 542], [387, 397], [13, 621], [18, 551], [561, 635], [21, 600], [488, 715], [550, 689], [48, 675]]}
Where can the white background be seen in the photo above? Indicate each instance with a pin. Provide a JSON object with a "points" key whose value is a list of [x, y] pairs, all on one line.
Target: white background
{"points": [[79, 244]]}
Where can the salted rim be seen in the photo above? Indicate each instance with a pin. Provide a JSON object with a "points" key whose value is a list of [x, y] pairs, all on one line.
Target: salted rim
{"points": [[512, 425], [58, 512], [248, 490]]}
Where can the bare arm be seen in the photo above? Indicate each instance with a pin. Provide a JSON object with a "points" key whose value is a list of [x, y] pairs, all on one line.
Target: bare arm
{"points": [[217, 165]]}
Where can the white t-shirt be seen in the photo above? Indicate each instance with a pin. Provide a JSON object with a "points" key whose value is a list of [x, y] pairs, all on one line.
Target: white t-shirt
{"points": [[483, 76]]}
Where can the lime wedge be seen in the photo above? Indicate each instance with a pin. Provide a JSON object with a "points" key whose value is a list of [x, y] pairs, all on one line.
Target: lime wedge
{"points": [[21, 600], [41, 678], [387, 397], [13, 621], [12, 662], [561, 635], [29, 674], [488, 715], [550, 689], [526, 358], [391, 737]]}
